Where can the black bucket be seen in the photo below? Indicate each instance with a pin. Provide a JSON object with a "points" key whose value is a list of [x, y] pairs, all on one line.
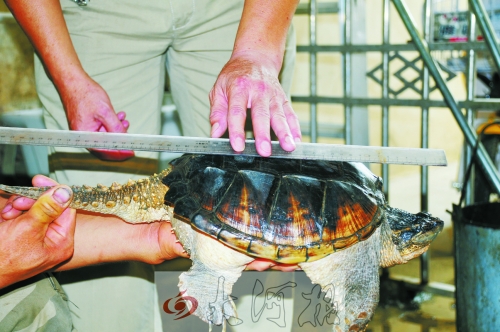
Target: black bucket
{"points": [[477, 258], [477, 266]]}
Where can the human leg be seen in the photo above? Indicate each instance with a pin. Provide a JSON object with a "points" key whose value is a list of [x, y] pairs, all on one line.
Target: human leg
{"points": [[199, 51], [121, 45]]}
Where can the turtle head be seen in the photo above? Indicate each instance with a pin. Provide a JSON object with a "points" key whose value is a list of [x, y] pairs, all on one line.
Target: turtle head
{"points": [[412, 233]]}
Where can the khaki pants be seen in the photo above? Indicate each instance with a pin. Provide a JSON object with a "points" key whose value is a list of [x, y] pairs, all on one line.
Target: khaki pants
{"points": [[124, 45], [36, 304]]}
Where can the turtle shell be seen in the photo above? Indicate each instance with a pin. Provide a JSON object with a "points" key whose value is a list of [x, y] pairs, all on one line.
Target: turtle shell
{"points": [[288, 211]]}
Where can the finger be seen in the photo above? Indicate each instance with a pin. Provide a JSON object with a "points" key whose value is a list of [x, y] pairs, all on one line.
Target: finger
{"points": [[112, 155], [43, 181], [280, 126], [49, 206], [286, 267], [218, 113], [261, 126], [20, 204], [125, 124], [237, 113], [293, 121], [121, 115], [111, 123], [259, 265], [179, 250], [170, 247], [61, 232], [23, 203], [9, 212]]}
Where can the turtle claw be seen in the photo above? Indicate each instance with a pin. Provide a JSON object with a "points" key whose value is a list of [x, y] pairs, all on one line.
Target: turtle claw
{"points": [[214, 304], [210, 280], [355, 296]]}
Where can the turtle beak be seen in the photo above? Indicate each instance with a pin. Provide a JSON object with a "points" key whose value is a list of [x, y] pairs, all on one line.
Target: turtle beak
{"points": [[415, 240], [427, 237]]}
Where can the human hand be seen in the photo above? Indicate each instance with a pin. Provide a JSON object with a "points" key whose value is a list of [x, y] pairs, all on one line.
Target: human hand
{"points": [[89, 108], [251, 81], [38, 239], [168, 245], [261, 264]]}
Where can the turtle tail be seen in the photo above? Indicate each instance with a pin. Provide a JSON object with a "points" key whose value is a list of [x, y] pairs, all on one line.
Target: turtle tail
{"points": [[135, 202], [30, 192]]}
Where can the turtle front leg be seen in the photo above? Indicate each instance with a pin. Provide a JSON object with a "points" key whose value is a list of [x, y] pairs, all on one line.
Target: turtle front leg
{"points": [[210, 280], [352, 276]]}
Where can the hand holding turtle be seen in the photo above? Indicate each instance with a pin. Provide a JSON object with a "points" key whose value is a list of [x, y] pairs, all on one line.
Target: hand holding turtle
{"points": [[261, 264], [37, 240], [151, 243]]}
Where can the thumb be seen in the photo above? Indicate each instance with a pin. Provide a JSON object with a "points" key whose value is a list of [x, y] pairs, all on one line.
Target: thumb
{"points": [[50, 205]]}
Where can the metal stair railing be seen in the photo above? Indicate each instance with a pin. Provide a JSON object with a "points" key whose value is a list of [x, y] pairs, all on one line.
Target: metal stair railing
{"points": [[421, 45], [424, 46]]}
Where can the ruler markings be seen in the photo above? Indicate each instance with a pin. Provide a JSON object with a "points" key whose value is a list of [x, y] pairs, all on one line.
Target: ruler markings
{"points": [[197, 145]]}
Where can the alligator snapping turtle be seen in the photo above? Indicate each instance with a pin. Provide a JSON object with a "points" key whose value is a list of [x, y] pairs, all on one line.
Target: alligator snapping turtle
{"points": [[329, 217]]}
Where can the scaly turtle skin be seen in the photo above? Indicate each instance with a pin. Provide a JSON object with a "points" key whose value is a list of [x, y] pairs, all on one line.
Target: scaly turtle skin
{"points": [[329, 217]]}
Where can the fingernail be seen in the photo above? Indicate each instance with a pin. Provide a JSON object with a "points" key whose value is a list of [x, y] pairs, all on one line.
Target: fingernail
{"points": [[297, 140], [265, 147], [62, 195], [7, 208], [239, 144], [289, 140], [214, 128]]}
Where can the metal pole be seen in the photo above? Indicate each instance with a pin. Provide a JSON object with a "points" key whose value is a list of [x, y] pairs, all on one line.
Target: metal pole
{"points": [[313, 71], [487, 29], [345, 18], [482, 157], [385, 108], [471, 87], [385, 91], [424, 171]]}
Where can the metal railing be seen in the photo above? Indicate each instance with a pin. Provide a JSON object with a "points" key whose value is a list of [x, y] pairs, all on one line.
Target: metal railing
{"points": [[422, 44]]}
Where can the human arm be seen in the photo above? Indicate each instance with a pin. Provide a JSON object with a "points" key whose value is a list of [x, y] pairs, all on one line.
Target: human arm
{"points": [[87, 105], [37, 240], [105, 238], [250, 80]]}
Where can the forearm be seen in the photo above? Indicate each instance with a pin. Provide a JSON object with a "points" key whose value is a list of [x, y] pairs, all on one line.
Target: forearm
{"points": [[44, 24], [264, 27], [104, 239]]}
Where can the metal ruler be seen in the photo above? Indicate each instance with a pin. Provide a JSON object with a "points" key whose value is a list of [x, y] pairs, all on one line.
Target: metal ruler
{"points": [[219, 146]]}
